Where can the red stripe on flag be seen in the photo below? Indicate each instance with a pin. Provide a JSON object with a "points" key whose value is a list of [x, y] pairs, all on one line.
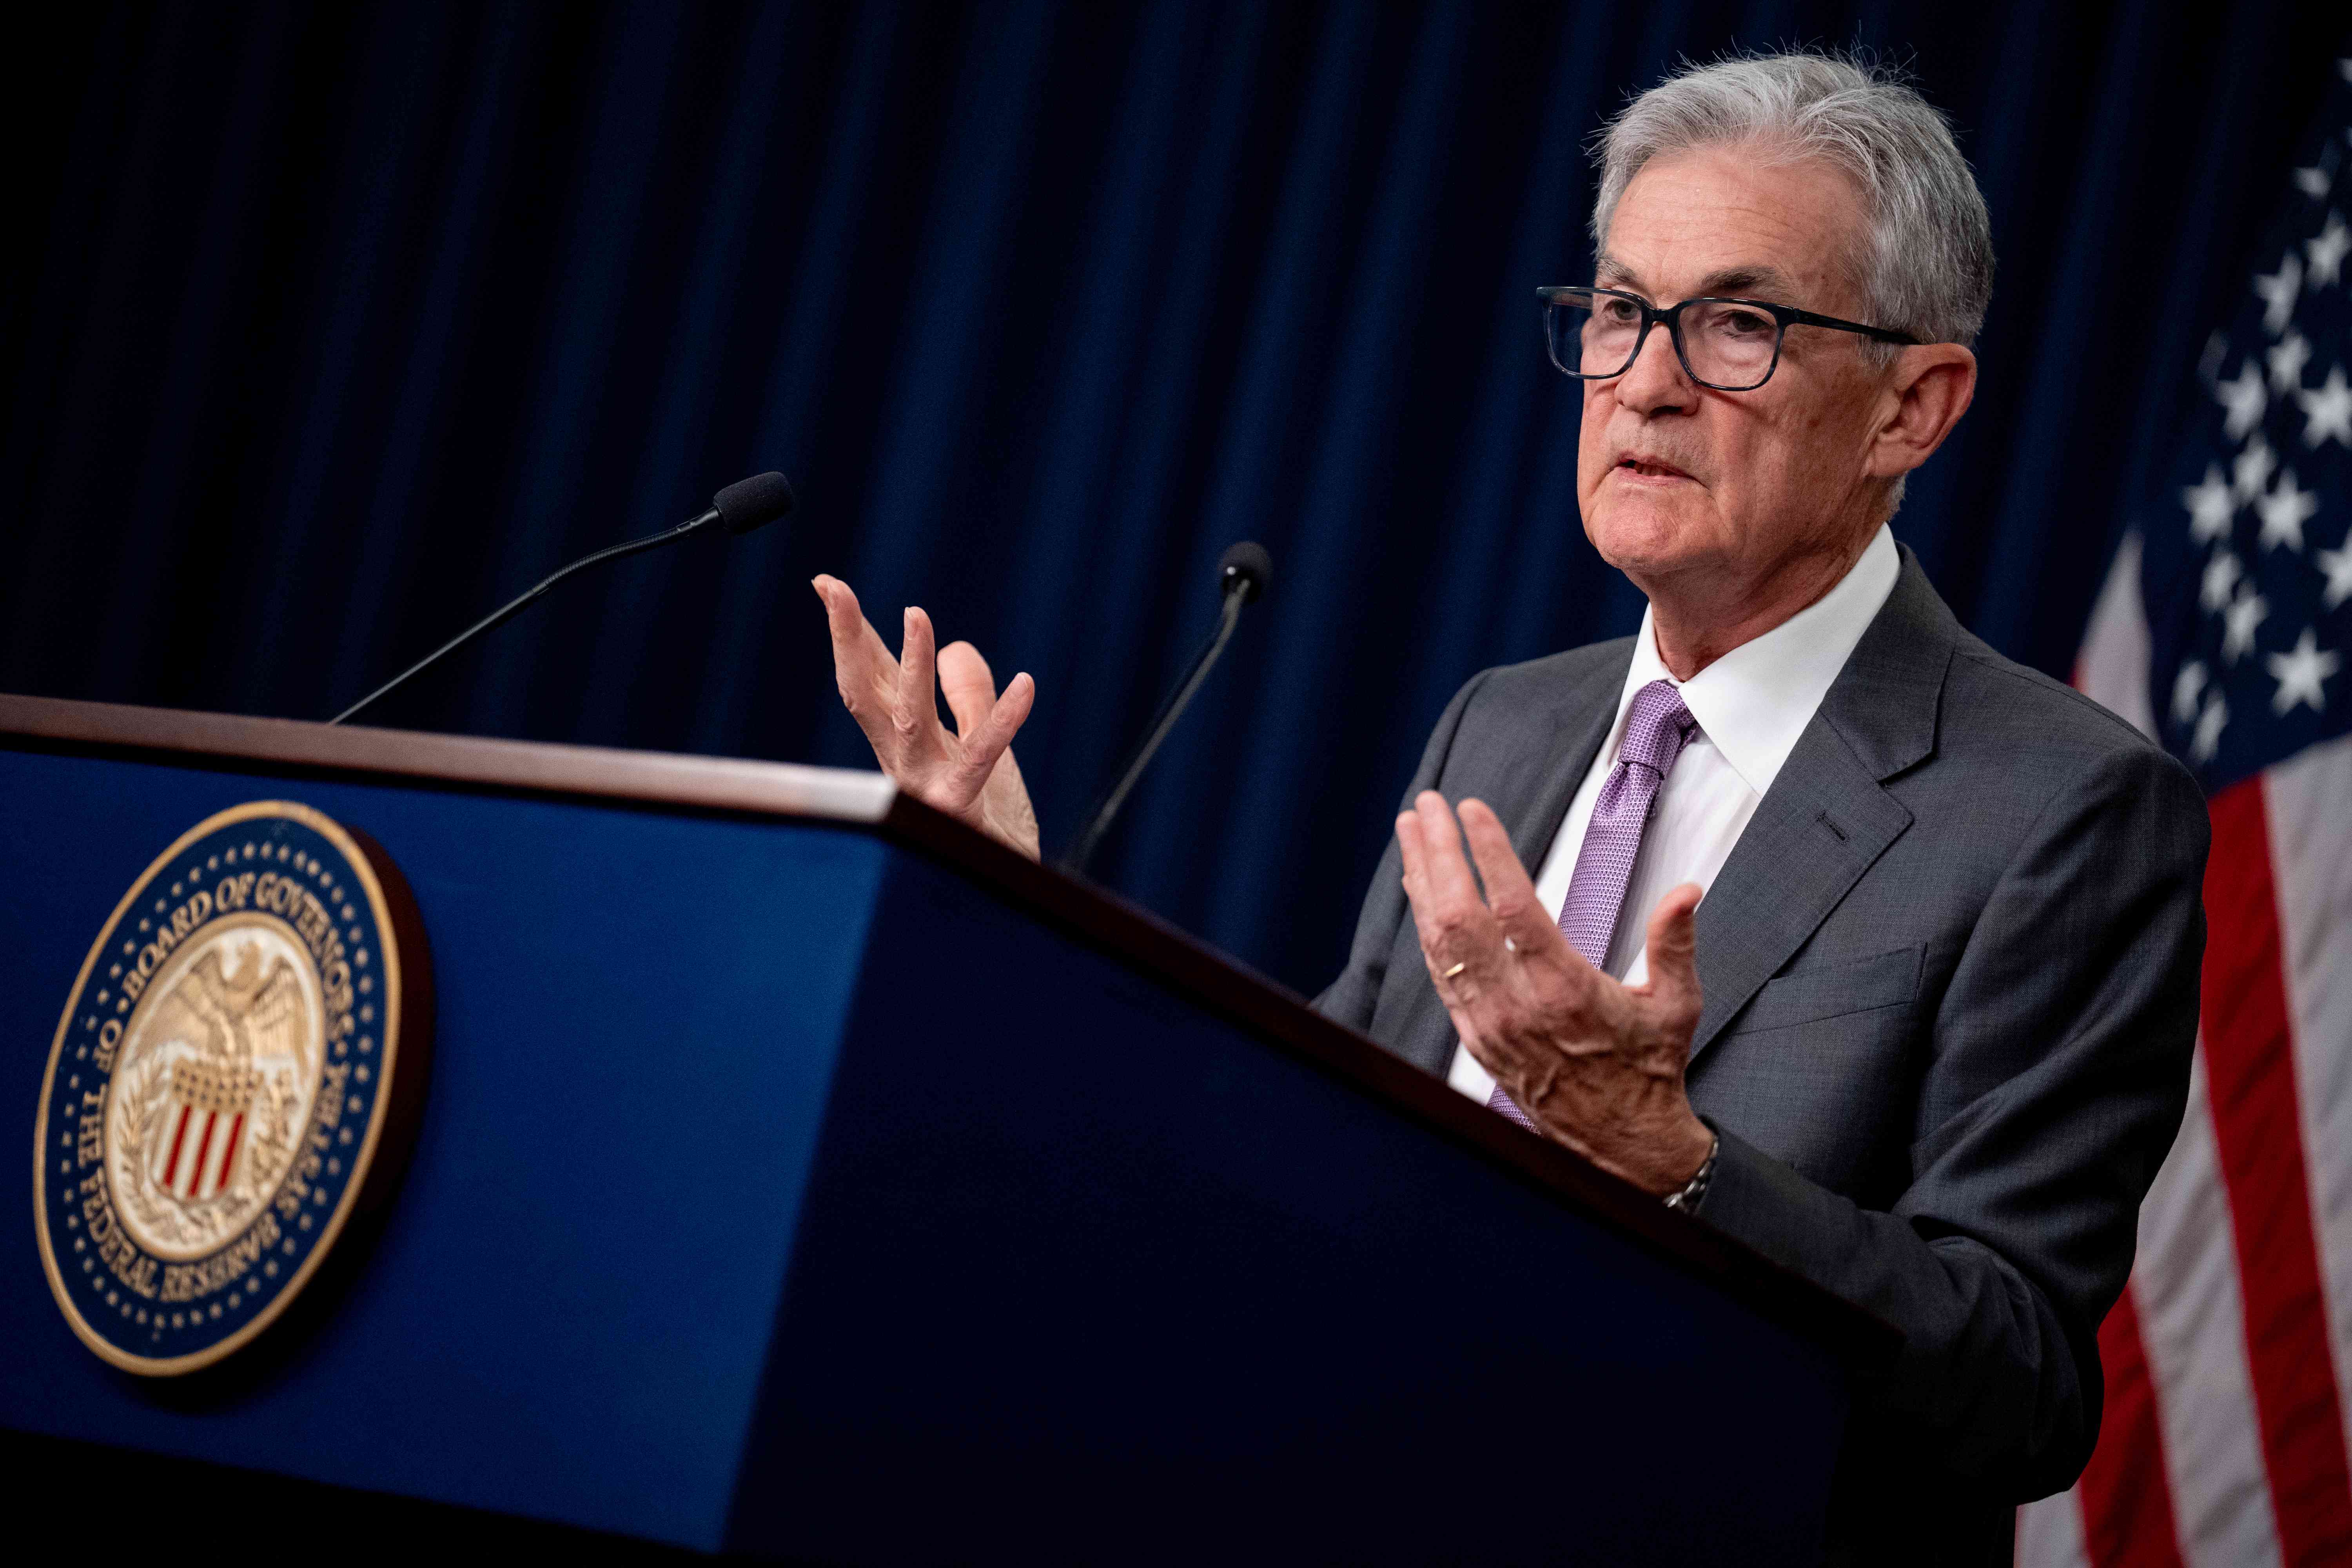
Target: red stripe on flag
{"points": [[2250, 1055], [2127, 1497]]}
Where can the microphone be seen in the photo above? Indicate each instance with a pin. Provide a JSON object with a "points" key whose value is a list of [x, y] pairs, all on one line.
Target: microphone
{"points": [[1244, 574], [739, 508]]}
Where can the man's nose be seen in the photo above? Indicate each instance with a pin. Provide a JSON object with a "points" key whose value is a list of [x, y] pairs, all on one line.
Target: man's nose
{"points": [[1655, 382]]}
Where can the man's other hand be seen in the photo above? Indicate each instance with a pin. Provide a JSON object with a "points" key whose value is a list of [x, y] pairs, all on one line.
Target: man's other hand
{"points": [[969, 774], [1597, 1065]]}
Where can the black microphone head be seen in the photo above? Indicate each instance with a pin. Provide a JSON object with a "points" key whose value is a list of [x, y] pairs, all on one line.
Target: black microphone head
{"points": [[1248, 568], [754, 503]]}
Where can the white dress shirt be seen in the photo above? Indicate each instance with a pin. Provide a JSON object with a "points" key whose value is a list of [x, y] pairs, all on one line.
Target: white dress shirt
{"points": [[1751, 706]]}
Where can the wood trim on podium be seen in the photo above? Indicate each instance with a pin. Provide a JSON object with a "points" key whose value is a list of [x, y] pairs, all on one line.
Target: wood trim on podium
{"points": [[529, 767], [870, 802]]}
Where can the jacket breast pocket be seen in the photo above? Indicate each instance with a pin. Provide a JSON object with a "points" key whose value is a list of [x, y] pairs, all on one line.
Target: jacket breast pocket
{"points": [[1816, 992]]}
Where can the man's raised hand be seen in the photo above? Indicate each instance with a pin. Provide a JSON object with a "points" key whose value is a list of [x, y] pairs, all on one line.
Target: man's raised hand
{"points": [[970, 773], [1595, 1064]]}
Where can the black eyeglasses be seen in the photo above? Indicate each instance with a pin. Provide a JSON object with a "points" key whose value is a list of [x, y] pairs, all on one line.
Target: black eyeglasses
{"points": [[1731, 345]]}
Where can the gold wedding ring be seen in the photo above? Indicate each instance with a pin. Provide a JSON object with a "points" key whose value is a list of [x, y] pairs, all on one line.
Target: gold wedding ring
{"points": [[1456, 970]]}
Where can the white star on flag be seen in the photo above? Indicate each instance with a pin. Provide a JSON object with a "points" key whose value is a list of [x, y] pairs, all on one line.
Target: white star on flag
{"points": [[2314, 183], [2284, 512], [2278, 291], [2327, 413], [2187, 686], [2337, 565], [2300, 673], [2251, 473], [2287, 359], [2210, 506], [2208, 738], [2245, 400], [2239, 621], [2326, 250], [2221, 574]]}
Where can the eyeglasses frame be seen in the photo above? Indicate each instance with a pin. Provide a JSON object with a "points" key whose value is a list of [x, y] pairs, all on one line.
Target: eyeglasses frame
{"points": [[1786, 316]]}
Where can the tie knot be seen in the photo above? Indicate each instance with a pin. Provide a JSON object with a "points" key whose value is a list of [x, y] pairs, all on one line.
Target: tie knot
{"points": [[1657, 727]]}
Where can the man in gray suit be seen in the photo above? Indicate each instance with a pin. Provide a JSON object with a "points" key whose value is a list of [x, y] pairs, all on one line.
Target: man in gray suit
{"points": [[1801, 909]]}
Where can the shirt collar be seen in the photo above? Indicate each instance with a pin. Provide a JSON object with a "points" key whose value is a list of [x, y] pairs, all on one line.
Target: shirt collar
{"points": [[1756, 700]]}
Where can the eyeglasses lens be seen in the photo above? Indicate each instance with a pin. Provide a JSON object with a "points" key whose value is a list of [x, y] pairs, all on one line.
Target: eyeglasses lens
{"points": [[1596, 336], [1729, 345]]}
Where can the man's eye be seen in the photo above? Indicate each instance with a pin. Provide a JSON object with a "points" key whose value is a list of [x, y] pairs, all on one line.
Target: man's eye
{"points": [[1620, 312], [1744, 323]]}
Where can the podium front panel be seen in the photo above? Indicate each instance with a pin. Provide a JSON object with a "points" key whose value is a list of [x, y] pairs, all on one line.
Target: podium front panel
{"points": [[569, 1306], [1123, 1283]]}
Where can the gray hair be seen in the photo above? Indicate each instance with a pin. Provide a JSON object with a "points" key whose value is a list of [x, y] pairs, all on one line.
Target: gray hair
{"points": [[1926, 266]]}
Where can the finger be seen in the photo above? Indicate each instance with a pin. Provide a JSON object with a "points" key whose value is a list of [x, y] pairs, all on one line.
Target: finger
{"points": [[969, 686], [916, 710], [1674, 954], [830, 589], [1509, 891], [984, 744], [1445, 871], [843, 616], [1414, 849], [864, 671], [1413, 846], [1458, 935], [1409, 849], [863, 664]]}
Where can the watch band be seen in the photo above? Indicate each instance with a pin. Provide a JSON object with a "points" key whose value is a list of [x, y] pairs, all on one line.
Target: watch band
{"points": [[1687, 1199]]}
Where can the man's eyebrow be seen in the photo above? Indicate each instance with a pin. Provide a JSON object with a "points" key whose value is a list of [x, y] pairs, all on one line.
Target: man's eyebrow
{"points": [[1609, 267], [1747, 278]]}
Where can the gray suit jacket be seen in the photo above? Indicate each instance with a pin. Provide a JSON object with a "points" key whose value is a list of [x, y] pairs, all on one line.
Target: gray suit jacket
{"points": [[1951, 984]]}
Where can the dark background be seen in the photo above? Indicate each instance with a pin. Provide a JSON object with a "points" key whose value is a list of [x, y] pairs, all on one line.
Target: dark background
{"points": [[325, 327]]}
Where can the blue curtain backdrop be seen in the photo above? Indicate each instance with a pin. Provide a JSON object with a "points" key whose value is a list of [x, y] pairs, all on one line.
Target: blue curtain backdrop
{"points": [[325, 327]]}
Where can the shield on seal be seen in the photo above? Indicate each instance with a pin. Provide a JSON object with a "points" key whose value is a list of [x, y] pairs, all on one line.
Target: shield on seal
{"points": [[210, 1103]]}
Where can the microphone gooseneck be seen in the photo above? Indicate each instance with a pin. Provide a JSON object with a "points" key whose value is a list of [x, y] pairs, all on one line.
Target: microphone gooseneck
{"points": [[1244, 574], [745, 505]]}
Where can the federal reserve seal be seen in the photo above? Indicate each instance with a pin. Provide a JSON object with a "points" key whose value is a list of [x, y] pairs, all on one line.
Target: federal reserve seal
{"points": [[235, 1076]]}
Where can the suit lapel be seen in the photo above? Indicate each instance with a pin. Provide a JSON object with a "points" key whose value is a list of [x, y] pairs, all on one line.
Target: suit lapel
{"points": [[1828, 816], [1534, 786], [1820, 826]]}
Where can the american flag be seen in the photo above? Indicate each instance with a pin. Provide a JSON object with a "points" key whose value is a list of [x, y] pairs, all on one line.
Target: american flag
{"points": [[2223, 632]]}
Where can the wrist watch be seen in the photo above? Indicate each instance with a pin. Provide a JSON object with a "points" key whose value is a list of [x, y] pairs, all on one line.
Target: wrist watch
{"points": [[1692, 1191]]}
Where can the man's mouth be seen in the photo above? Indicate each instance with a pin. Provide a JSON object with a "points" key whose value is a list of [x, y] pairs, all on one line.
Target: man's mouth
{"points": [[1649, 469]]}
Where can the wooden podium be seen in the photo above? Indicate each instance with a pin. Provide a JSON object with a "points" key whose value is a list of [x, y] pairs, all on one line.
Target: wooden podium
{"points": [[803, 1175]]}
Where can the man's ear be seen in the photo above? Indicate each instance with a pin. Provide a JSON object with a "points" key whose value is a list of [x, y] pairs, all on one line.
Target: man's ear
{"points": [[1932, 387]]}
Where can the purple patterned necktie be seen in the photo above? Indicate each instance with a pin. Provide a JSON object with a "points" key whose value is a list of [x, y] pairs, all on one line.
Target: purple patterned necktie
{"points": [[1657, 727]]}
